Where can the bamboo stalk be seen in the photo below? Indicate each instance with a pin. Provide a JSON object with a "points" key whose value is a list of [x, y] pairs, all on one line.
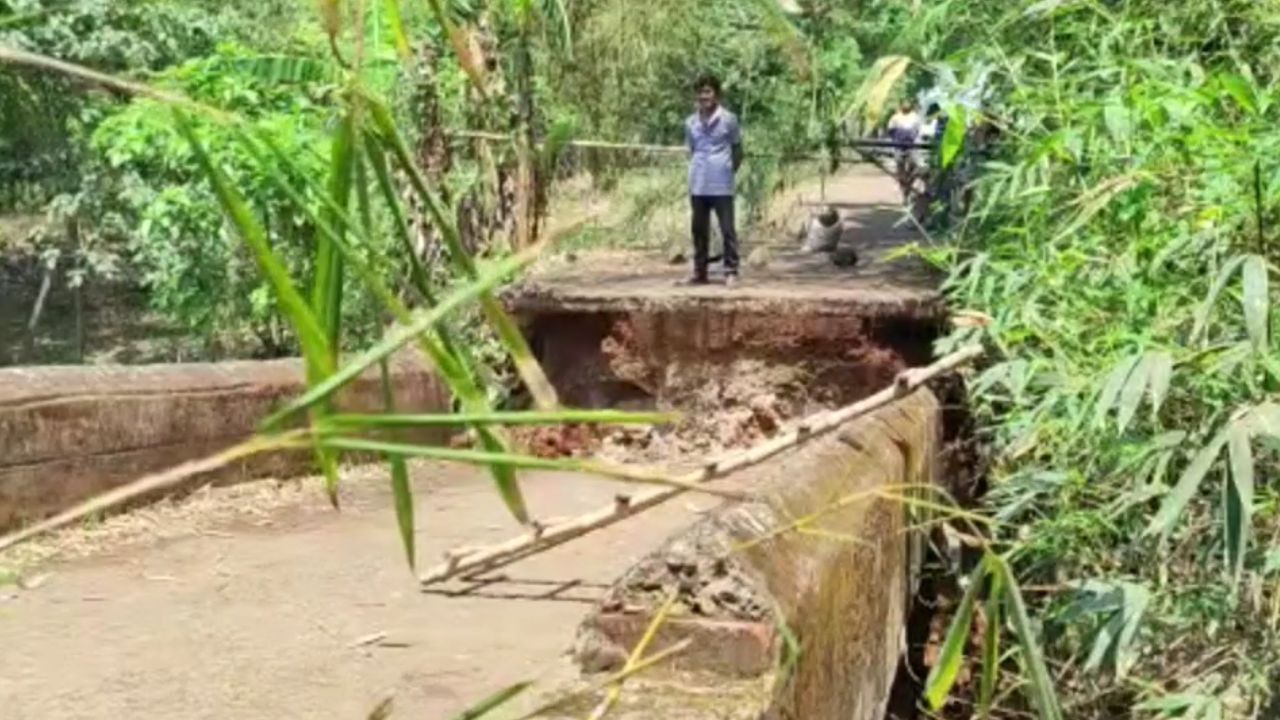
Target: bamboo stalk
{"points": [[860, 147], [173, 477], [545, 538]]}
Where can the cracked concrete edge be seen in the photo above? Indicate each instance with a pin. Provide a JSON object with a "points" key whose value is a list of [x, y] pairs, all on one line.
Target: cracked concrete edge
{"points": [[69, 433], [845, 599]]}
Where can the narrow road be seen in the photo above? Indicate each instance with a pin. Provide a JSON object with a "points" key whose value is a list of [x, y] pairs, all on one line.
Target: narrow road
{"points": [[267, 622]]}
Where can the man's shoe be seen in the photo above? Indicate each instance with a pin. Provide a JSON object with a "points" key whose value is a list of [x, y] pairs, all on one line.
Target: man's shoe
{"points": [[692, 281], [731, 279]]}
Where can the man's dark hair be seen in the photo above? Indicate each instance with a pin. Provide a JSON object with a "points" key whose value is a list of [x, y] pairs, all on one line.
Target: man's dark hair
{"points": [[707, 81]]}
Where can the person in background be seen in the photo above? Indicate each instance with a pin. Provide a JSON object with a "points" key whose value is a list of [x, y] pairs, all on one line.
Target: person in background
{"points": [[714, 139], [935, 124], [904, 131]]}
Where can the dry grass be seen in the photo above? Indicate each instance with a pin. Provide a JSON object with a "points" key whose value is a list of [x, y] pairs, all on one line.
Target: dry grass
{"points": [[209, 510]]}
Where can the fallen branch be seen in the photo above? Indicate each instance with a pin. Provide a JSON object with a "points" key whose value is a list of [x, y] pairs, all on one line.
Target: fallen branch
{"points": [[545, 538]]}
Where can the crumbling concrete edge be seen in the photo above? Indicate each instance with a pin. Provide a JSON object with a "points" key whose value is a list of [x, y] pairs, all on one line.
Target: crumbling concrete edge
{"points": [[749, 582], [68, 433]]}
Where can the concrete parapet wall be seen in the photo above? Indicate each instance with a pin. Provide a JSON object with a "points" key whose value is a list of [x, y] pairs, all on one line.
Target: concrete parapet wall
{"points": [[68, 433], [820, 554]]}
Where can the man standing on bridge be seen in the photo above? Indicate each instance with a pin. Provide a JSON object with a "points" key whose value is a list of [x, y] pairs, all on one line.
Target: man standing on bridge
{"points": [[715, 154]]}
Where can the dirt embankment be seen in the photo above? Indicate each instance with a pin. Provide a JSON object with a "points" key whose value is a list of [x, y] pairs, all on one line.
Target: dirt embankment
{"points": [[736, 376]]}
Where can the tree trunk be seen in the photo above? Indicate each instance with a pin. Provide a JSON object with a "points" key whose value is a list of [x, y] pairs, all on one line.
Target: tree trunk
{"points": [[526, 173]]}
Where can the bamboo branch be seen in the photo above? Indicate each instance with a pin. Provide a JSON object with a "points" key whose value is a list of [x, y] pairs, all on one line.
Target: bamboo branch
{"points": [[860, 147], [173, 477], [545, 538]]}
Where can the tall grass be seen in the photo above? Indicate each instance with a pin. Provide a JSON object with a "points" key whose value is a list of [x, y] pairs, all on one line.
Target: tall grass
{"points": [[1123, 245]]}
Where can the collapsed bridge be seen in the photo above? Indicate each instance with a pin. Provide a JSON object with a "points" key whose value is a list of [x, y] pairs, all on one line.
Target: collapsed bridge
{"points": [[819, 559]]}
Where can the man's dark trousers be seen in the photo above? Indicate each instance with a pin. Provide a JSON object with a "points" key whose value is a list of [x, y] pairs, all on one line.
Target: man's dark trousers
{"points": [[702, 206]]}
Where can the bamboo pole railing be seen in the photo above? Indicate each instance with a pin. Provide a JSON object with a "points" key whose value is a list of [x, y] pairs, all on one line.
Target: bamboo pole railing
{"points": [[469, 561], [861, 147]]}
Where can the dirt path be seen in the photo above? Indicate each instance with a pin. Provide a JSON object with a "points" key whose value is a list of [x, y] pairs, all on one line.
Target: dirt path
{"points": [[263, 619], [873, 226]]}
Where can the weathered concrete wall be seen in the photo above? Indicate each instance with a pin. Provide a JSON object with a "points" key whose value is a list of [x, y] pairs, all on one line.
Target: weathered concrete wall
{"points": [[821, 554], [68, 433]]}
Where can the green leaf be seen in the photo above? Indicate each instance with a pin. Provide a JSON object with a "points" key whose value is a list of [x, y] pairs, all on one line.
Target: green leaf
{"points": [[278, 69], [556, 417], [493, 702], [489, 458], [398, 35], [943, 675], [508, 332], [450, 360], [1040, 683], [1219, 284], [1238, 518], [1176, 501], [1241, 90], [1116, 380], [1116, 117], [401, 335], [401, 491], [1127, 603], [417, 272], [1131, 396], [1255, 301], [1159, 376], [311, 337], [991, 647], [316, 349], [326, 295], [953, 136]]}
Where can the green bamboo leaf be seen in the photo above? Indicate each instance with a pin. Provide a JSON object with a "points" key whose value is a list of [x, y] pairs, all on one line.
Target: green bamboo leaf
{"points": [[326, 295], [1255, 301], [378, 162], [1219, 284], [311, 337], [1116, 380], [1159, 374], [278, 69], [1264, 420], [942, 677], [1136, 599], [401, 335], [401, 491], [1176, 501], [1241, 90], [872, 95], [991, 647], [953, 136], [1096, 199], [398, 35], [1104, 642], [1040, 683], [1131, 396], [467, 457], [316, 350], [1238, 517], [493, 702], [558, 417], [503, 324], [449, 359]]}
